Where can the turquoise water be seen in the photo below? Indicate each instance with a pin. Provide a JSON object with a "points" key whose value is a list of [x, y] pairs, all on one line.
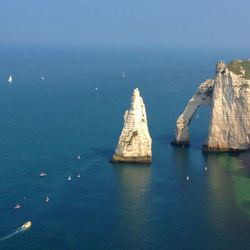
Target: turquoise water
{"points": [[45, 124]]}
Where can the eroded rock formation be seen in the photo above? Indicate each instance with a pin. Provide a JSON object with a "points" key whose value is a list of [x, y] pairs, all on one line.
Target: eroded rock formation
{"points": [[229, 97], [134, 142], [203, 96]]}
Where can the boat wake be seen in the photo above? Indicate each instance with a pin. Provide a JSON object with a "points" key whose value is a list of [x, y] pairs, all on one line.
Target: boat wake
{"points": [[19, 230]]}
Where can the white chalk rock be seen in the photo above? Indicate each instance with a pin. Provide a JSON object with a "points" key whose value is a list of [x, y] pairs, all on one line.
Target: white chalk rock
{"points": [[134, 142], [229, 128], [229, 97]]}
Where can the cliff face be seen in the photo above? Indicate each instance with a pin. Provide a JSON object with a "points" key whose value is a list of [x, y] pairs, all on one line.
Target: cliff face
{"points": [[230, 117], [229, 98], [134, 142]]}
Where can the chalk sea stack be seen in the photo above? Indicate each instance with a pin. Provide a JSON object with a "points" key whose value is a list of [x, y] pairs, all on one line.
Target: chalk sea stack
{"points": [[134, 142], [228, 95]]}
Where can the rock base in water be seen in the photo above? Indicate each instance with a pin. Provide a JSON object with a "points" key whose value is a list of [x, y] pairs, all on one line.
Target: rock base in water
{"points": [[141, 160], [207, 149], [180, 143]]}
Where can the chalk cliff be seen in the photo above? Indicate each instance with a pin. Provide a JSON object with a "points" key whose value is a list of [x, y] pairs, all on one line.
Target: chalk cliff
{"points": [[228, 94], [134, 142]]}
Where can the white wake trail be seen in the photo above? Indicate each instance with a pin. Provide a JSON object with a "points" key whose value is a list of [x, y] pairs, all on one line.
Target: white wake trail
{"points": [[19, 230]]}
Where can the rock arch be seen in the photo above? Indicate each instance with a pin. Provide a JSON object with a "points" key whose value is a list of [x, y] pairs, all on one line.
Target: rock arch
{"points": [[203, 96]]}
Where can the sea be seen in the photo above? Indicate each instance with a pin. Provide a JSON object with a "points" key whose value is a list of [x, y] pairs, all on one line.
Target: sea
{"points": [[68, 102]]}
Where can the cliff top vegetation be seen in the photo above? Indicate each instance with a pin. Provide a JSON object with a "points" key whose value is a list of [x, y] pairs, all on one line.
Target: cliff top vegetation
{"points": [[240, 67]]}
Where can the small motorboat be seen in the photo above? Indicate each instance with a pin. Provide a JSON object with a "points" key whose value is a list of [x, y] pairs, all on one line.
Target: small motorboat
{"points": [[69, 178], [26, 225], [17, 206], [96, 89], [47, 199], [205, 168], [78, 157], [78, 175], [42, 174], [42, 77], [187, 178]]}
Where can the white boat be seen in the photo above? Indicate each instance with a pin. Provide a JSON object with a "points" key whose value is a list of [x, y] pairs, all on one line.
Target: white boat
{"points": [[123, 75], [187, 178], [42, 174], [26, 225], [69, 178], [47, 199], [17, 206], [78, 157], [78, 175], [10, 79]]}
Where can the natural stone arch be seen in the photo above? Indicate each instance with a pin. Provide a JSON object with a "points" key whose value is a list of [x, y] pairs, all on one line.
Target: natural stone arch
{"points": [[203, 96]]}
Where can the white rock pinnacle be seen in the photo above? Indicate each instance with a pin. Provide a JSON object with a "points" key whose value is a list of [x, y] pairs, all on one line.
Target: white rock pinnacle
{"points": [[134, 142]]}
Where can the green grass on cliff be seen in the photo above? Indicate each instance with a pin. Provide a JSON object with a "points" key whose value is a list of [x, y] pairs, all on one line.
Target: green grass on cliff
{"points": [[237, 66]]}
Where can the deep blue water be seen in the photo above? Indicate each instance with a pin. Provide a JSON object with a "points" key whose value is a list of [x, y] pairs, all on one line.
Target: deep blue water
{"points": [[45, 124]]}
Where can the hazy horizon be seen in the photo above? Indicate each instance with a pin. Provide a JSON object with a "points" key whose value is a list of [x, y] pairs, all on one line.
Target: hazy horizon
{"points": [[158, 24]]}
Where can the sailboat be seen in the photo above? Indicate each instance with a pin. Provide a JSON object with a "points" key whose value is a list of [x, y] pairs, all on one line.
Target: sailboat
{"points": [[10, 79]]}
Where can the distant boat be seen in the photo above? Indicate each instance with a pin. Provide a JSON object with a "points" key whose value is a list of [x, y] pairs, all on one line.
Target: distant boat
{"points": [[42, 174], [47, 199], [78, 157], [123, 75], [78, 175], [187, 178], [205, 168], [10, 79], [26, 225], [96, 89], [17, 206], [42, 77], [69, 178]]}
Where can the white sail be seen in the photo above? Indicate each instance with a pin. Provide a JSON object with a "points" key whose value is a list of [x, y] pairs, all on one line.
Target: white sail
{"points": [[10, 79]]}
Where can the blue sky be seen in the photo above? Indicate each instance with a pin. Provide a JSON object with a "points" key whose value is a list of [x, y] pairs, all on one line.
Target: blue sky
{"points": [[126, 23]]}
